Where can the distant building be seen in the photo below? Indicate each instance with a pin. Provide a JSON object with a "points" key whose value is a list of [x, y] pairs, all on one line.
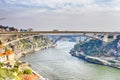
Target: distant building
{"points": [[2, 28], [30, 29], [7, 29], [55, 30]]}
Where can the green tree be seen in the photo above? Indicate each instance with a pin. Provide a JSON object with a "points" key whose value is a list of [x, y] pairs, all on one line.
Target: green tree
{"points": [[0, 42], [27, 71]]}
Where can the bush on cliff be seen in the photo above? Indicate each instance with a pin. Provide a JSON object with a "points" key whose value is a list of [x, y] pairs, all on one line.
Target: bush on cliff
{"points": [[96, 47], [27, 71], [112, 48], [92, 47]]}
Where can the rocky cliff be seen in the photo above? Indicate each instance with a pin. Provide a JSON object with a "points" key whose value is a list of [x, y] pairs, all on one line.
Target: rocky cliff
{"points": [[98, 52], [96, 47]]}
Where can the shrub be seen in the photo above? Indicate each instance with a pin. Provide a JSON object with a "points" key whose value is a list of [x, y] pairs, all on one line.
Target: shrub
{"points": [[27, 71], [0, 42]]}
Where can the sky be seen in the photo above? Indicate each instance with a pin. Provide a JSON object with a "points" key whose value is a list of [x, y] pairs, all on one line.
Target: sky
{"points": [[78, 15]]}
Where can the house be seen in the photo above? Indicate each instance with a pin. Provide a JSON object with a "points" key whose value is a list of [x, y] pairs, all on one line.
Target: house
{"points": [[2, 28], [8, 57], [30, 29], [2, 58], [1, 49], [29, 77]]}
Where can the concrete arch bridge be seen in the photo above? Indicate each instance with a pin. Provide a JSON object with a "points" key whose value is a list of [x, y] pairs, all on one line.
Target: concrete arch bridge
{"points": [[72, 35], [81, 37]]}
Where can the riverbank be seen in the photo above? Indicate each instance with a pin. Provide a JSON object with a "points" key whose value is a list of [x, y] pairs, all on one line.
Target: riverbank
{"points": [[39, 77], [12, 51], [97, 60], [57, 64], [98, 52], [23, 53], [31, 76]]}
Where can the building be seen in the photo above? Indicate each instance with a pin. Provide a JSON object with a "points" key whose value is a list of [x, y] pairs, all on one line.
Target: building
{"points": [[3, 58], [7, 57], [1, 49]]}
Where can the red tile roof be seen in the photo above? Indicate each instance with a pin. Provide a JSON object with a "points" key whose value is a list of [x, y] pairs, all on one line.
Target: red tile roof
{"points": [[29, 77], [1, 54], [9, 52]]}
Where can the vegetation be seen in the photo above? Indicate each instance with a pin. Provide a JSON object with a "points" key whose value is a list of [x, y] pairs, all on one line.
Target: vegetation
{"points": [[112, 48], [96, 47], [37, 41], [13, 73], [25, 43], [0, 42], [19, 68], [27, 71], [92, 47], [8, 74]]}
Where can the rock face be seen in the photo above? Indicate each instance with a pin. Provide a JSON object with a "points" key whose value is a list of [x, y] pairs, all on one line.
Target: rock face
{"points": [[92, 47], [112, 48], [96, 47], [96, 51]]}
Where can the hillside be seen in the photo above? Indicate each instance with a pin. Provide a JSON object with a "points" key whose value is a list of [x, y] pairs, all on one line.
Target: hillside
{"points": [[96, 47]]}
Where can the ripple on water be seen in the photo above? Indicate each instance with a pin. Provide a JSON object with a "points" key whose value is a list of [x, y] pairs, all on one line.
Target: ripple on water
{"points": [[58, 64]]}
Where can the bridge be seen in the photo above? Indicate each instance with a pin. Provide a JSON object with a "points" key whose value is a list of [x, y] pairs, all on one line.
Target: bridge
{"points": [[104, 36], [59, 32]]}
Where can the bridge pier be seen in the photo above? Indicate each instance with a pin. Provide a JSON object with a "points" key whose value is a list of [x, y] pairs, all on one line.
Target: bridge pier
{"points": [[95, 35], [115, 36], [105, 38]]}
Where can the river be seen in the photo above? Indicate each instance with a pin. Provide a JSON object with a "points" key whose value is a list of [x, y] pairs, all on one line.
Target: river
{"points": [[58, 64]]}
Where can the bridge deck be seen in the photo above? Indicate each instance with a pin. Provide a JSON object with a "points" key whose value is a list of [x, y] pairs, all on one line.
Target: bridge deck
{"points": [[58, 32]]}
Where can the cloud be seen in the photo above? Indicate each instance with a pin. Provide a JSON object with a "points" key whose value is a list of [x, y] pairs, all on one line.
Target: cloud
{"points": [[61, 12], [78, 6], [82, 7]]}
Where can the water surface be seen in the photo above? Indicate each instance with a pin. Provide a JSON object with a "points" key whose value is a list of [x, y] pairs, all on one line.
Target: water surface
{"points": [[58, 64]]}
